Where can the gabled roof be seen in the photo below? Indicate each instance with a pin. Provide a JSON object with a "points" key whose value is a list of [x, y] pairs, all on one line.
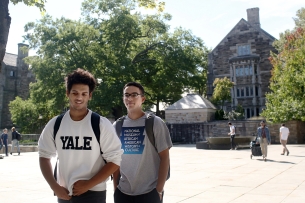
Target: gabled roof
{"points": [[244, 21], [10, 59], [191, 101]]}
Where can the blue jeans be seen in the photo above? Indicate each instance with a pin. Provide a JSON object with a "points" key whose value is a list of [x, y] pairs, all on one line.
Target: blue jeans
{"points": [[87, 197], [233, 145]]}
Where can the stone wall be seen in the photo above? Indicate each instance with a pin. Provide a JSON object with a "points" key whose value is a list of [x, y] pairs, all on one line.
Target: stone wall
{"points": [[189, 116], [194, 132]]}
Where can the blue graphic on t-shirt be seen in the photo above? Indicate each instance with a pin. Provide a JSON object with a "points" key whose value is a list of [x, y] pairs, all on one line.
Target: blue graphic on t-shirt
{"points": [[132, 140]]}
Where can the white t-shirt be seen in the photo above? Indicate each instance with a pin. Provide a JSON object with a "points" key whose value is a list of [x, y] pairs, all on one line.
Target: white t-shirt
{"points": [[285, 131], [232, 130], [78, 150]]}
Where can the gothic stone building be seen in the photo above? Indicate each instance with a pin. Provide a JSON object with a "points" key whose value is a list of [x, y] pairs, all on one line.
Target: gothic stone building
{"points": [[15, 79], [242, 56]]}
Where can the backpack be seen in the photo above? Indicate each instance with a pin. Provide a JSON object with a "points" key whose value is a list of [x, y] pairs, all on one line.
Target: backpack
{"points": [[18, 136], [149, 126], [95, 123]]}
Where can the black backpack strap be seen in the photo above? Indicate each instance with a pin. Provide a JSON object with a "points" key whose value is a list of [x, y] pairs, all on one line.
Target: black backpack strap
{"points": [[95, 123], [149, 127], [119, 125], [55, 130], [57, 124]]}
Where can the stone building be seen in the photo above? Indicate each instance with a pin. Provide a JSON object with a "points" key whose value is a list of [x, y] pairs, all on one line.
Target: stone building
{"points": [[243, 56], [15, 78], [190, 109]]}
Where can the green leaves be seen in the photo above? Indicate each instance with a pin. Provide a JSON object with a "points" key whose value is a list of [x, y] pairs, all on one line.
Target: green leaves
{"points": [[286, 100], [222, 90]]}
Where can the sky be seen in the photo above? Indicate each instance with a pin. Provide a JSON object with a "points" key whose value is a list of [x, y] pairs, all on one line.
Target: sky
{"points": [[211, 20]]}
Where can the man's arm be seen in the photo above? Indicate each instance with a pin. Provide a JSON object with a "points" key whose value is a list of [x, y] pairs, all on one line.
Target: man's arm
{"points": [[163, 170], [116, 178], [46, 169], [83, 186]]}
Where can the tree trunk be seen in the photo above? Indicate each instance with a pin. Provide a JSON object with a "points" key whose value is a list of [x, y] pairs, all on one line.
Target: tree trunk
{"points": [[157, 108], [5, 22]]}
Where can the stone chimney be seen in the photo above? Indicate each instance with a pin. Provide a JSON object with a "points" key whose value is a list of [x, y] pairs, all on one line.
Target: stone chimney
{"points": [[253, 17], [22, 54]]}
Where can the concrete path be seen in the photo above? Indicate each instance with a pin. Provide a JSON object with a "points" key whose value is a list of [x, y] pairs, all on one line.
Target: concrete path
{"points": [[196, 176]]}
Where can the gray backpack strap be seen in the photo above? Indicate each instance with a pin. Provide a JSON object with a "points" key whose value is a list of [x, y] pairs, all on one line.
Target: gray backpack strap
{"points": [[149, 127], [119, 125]]}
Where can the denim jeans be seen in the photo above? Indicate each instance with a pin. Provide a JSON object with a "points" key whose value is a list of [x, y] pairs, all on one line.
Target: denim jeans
{"points": [[88, 197], [15, 142]]}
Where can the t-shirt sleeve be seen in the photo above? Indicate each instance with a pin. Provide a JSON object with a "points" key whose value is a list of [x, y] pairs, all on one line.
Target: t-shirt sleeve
{"points": [[162, 136], [110, 142], [46, 143]]}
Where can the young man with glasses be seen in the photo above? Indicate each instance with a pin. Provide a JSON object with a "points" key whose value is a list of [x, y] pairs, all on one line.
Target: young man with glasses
{"points": [[86, 156], [264, 138], [144, 167]]}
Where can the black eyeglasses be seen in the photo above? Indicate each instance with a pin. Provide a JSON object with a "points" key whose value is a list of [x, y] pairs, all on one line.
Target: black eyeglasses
{"points": [[132, 95]]}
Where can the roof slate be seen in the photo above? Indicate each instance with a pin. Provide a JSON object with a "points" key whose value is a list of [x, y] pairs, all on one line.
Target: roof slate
{"points": [[10, 59]]}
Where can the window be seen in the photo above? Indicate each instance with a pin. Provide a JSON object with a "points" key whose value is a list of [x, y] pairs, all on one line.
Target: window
{"points": [[242, 92], [12, 73], [241, 71], [247, 70], [237, 92], [250, 70], [243, 50], [247, 91], [256, 91], [251, 91]]}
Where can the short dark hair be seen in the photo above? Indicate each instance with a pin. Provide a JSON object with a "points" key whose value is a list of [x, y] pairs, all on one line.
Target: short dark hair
{"points": [[283, 124], [80, 76], [262, 121], [136, 84], [229, 123]]}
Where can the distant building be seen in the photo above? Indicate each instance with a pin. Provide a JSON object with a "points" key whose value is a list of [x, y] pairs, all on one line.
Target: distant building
{"points": [[190, 109], [243, 56], [15, 78]]}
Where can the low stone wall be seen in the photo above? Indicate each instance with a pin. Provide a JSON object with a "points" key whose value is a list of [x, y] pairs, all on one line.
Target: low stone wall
{"points": [[195, 132], [23, 148]]}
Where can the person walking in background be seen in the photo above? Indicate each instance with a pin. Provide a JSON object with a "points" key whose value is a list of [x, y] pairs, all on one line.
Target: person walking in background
{"points": [[284, 133], [232, 135], [145, 166], [15, 140], [263, 135], [4, 139]]}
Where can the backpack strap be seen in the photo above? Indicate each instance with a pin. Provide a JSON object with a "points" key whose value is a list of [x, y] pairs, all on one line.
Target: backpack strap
{"points": [[95, 123], [119, 125], [149, 127]]}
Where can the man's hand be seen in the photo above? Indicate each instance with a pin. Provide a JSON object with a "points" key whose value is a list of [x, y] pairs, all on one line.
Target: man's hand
{"points": [[62, 193], [80, 187]]}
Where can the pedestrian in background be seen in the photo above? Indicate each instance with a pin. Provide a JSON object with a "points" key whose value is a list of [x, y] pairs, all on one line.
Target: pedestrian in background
{"points": [[232, 135], [284, 133], [263, 135], [4, 139], [15, 140]]}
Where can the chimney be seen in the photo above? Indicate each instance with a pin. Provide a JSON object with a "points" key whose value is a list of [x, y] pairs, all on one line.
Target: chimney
{"points": [[22, 54], [253, 17]]}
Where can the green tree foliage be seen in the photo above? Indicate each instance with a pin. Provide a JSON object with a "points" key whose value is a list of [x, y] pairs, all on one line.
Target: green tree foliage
{"points": [[117, 45], [222, 90], [286, 101], [25, 114]]}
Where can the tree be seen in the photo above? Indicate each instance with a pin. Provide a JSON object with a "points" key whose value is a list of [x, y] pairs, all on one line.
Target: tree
{"points": [[5, 21], [222, 90], [286, 100], [117, 45]]}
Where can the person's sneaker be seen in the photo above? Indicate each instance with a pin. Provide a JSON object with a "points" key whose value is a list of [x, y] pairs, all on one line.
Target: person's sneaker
{"points": [[18, 153], [282, 154], [11, 153], [287, 153]]}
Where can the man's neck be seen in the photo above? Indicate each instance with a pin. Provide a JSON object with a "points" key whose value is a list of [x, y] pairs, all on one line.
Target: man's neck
{"points": [[135, 114], [78, 115]]}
